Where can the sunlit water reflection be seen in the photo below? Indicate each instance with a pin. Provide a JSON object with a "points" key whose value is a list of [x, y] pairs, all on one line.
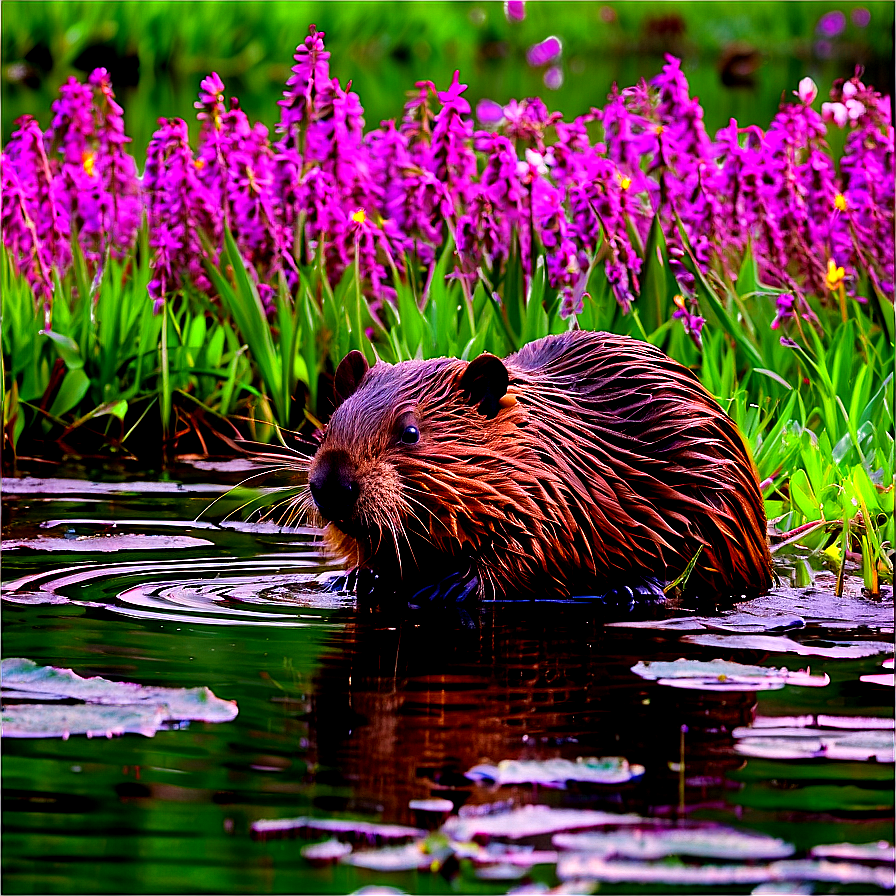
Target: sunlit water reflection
{"points": [[344, 713]]}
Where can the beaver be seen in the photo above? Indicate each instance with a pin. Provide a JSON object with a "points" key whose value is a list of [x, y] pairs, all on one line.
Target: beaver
{"points": [[583, 464]]}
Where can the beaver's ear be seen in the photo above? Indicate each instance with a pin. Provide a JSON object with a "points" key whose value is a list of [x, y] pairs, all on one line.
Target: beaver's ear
{"points": [[484, 383], [348, 376]]}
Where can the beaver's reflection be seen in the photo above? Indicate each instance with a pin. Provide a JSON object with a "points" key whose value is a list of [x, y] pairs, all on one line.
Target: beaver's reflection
{"points": [[403, 707]]}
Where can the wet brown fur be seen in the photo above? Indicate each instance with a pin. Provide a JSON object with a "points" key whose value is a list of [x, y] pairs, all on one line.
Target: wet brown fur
{"points": [[606, 461]]}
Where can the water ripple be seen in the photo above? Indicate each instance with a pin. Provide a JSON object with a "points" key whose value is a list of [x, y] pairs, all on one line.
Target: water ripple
{"points": [[260, 591]]}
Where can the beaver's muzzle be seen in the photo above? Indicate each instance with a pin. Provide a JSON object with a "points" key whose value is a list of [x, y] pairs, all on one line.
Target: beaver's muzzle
{"points": [[333, 485]]}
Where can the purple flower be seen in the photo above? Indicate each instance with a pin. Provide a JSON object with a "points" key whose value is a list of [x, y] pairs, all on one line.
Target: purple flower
{"points": [[489, 112], [310, 74], [544, 52], [687, 313], [515, 10], [553, 78], [29, 255], [831, 24], [177, 210], [861, 17]]}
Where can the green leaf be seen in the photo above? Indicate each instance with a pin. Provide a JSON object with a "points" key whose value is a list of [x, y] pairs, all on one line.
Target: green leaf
{"points": [[654, 295], [772, 375], [67, 349], [74, 387], [802, 496]]}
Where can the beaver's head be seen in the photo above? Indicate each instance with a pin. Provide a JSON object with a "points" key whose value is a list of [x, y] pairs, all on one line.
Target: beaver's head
{"points": [[409, 466]]}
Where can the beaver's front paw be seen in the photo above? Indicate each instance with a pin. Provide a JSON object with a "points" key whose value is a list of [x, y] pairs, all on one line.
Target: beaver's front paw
{"points": [[637, 596], [456, 588], [356, 581]]}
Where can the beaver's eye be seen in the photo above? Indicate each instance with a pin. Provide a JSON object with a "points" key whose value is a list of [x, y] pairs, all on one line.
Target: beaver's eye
{"points": [[410, 435]]}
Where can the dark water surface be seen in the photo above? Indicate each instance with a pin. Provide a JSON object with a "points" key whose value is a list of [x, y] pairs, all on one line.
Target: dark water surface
{"points": [[348, 714]]}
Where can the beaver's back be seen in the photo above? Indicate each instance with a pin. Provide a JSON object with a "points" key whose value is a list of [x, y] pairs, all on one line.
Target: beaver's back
{"points": [[646, 460]]}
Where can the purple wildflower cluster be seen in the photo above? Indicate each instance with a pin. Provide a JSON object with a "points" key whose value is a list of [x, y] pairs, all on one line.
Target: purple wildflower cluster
{"points": [[76, 180], [524, 182]]}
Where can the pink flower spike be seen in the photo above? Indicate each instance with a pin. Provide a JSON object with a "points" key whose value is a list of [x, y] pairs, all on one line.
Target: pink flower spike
{"points": [[515, 10]]}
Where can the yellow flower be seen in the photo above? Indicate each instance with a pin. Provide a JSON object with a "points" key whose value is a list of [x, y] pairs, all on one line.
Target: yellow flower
{"points": [[834, 276], [358, 216], [624, 182], [199, 163], [840, 202], [87, 160], [678, 300]]}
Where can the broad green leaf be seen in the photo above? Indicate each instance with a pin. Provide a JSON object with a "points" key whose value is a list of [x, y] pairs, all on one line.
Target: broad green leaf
{"points": [[74, 387]]}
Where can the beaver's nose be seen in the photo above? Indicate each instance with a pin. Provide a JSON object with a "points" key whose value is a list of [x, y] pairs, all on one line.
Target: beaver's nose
{"points": [[333, 486]]}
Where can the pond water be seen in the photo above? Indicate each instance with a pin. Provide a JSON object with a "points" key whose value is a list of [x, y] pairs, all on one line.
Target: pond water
{"points": [[350, 715]]}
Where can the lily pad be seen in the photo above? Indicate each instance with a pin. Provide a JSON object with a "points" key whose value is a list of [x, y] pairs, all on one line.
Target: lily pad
{"points": [[24, 678], [722, 675], [712, 843], [343, 828], [54, 488], [815, 743], [886, 679], [410, 857], [870, 852], [109, 707], [784, 888], [597, 867], [556, 772], [326, 852], [855, 723], [431, 805], [108, 544], [780, 644], [530, 821], [40, 720], [784, 609]]}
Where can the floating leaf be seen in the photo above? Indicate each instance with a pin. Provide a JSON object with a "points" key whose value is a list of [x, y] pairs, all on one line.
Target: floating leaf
{"points": [[23, 678], [782, 609], [781, 644], [431, 805], [814, 743], [41, 720], [710, 842], [596, 867], [378, 890], [355, 831], [784, 888], [881, 851], [326, 852], [556, 772], [861, 723], [29, 485], [721, 675], [888, 680], [410, 857], [528, 821], [108, 544]]}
